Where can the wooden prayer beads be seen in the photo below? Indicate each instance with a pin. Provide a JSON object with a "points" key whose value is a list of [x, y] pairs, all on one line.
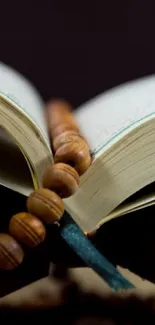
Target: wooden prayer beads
{"points": [[75, 154], [60, 118], [11, 253], [69, 146], [68, 137], [27, 229], [46, 205], [61, 180]]}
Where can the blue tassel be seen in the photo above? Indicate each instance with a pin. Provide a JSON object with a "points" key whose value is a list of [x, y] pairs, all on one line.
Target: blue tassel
{"points": [[77, 240]]}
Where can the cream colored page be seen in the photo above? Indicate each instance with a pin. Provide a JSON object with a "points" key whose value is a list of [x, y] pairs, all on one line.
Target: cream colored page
{"points": [[123, 209], [103, 118], [14, 171], [20, 90]]}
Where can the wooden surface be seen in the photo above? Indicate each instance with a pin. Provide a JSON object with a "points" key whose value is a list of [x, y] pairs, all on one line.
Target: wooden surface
{"points": [[48, 293]]}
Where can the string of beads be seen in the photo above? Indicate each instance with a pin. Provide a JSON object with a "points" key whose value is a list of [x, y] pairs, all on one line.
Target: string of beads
{"points": [[45, 206]]}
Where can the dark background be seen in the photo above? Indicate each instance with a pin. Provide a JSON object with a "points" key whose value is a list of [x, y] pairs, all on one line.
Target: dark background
{"points": [[76, 51]]}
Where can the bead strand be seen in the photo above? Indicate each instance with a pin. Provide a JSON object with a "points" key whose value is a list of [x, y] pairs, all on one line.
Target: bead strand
{"points": [[61, 180], [46, 205], [60, 119], [11, 253], [68, 144], [27, 229]]}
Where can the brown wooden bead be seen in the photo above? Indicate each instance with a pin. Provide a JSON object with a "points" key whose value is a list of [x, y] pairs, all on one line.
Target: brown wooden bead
{"points": [[61, 128], [27, 229], [62, 179], [60, 118], [77, 154], [68, 137], [46, 205], [11, 253]]}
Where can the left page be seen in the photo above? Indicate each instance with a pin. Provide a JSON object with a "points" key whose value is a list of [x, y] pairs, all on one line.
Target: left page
{"points": [[24, 94], [14, 171]]}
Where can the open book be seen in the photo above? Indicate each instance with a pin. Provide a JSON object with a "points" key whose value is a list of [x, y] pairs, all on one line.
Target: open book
{"points": [[120, 128]]}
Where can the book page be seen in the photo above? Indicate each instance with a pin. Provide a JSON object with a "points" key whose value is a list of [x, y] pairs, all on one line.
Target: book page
{"points": [[14, 171], [24, 94], [112, 113], [145, 197]]}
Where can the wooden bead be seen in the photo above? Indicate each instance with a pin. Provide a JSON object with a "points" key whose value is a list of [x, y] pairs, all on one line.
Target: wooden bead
{"points": [[46, 205], [62, 179], [11, 253], [68, 137], [27, 229], [60, 118], [77, 154], [61, 128]]}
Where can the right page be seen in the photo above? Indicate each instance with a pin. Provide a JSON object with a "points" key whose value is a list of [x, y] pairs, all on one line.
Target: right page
{"points": [[105, 117], [119, 127]]}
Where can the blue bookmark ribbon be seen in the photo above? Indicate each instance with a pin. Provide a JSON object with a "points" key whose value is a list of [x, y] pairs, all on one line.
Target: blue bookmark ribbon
{"points": [[77, 240]]}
